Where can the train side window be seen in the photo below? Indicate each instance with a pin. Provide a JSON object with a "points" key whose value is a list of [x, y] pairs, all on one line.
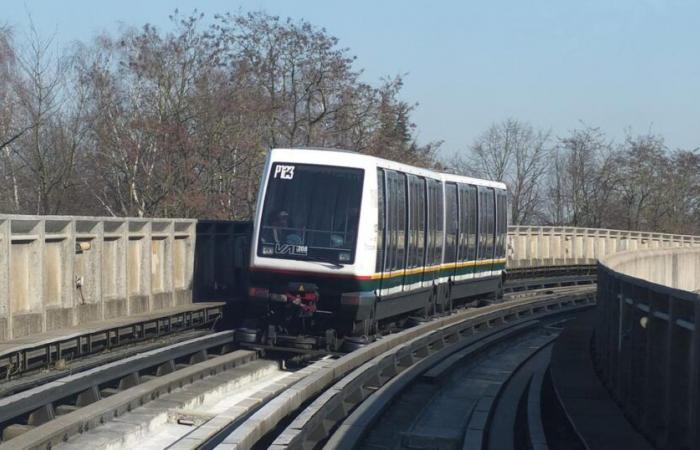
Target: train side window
{"points": [[396, 221], [462, 239], [466, 216], [472, 222], [440, 220], [497, 218], [429, 225], [435, 218], [451, 222], [432, 223], [401, 221], [381, 213], [481, 207], [410, 224], [504, 223], [499, 224], [490, 196], [422, 221], [416, 226], [390, 221]]}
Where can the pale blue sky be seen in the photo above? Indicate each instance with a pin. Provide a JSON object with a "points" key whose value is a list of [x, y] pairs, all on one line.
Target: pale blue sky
{"points": [[613, 64]]}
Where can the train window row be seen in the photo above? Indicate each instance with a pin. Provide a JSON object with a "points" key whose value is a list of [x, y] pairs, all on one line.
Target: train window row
{"points": [[410, 222], [501, 223]]}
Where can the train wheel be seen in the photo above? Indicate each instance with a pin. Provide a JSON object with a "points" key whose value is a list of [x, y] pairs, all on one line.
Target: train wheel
{"points": [[352, 343], [246, 335], [299, 342]]}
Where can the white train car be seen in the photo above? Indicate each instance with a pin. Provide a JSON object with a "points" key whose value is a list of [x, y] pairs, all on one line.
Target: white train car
{"points": [[359, 240]]}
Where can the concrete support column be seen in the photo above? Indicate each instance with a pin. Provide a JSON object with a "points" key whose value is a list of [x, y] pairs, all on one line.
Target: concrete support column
{"points": [[26, 306], [89, 260], [114, 289], [138, 267], [161, 249], [58, 248]]}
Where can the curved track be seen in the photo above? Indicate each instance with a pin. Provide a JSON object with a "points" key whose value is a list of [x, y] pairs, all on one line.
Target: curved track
{"points": [[203, 394], [342, 400]]}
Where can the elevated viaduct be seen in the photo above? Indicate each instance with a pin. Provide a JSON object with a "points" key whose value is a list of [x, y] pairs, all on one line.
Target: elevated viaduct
{"points": [[64, 278]]}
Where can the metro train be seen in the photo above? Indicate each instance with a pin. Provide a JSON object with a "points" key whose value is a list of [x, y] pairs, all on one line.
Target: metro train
{"points": [[348, 242]]}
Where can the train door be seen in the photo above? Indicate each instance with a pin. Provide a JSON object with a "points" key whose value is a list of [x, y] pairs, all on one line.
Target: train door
{"points": [[468, 229], [381, 230], [473, 223], [434, 232], [480, 268], [416, 233], [501, 229], [451, 229], [395, 234], [487, 228], [451, 238], [493, 228]]}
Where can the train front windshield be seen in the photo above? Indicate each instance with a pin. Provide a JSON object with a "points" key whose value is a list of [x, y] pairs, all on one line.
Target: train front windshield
{"points": [[311, 212]]}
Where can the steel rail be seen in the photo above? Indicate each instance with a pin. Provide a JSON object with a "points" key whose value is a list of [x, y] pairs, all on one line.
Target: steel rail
{"points": [[385, 359], [380, 381], [26, 356], [51, 413]]}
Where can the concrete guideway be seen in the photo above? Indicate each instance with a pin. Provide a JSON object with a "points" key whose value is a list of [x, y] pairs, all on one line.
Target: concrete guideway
{"points": [[45, 396], [63, 271], [385, 358], [462, 402], [171, 418], [132, 391], [41, 351], [371, 388], [92, 273]]}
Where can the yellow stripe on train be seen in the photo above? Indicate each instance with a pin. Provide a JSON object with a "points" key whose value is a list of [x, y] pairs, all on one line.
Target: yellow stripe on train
{"points": [[413, 271]]}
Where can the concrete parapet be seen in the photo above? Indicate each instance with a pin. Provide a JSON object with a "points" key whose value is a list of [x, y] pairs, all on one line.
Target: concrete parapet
{"points": [[61, 271], [647, 341], [537, 246]]}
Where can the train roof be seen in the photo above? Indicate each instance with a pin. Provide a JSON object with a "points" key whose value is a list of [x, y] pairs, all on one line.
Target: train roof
{"points": [[351, 157]]}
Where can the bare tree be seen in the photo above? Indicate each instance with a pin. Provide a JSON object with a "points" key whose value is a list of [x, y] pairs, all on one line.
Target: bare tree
{"points": [[10, 130], [640, 164], [515, 153], [582, 179], [40, 151]]}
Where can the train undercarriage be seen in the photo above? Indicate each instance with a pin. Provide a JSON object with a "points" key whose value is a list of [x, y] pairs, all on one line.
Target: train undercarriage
{"points": [[297, 316]]}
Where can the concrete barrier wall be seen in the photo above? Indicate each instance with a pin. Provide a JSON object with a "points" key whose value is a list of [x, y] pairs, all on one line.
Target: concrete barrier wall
{"points": [[58, 271], [551, 246], [647, 341]]}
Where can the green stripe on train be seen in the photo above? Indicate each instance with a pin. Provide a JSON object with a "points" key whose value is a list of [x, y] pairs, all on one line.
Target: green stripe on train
{"points": [[354, 285], [416, 278]]}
